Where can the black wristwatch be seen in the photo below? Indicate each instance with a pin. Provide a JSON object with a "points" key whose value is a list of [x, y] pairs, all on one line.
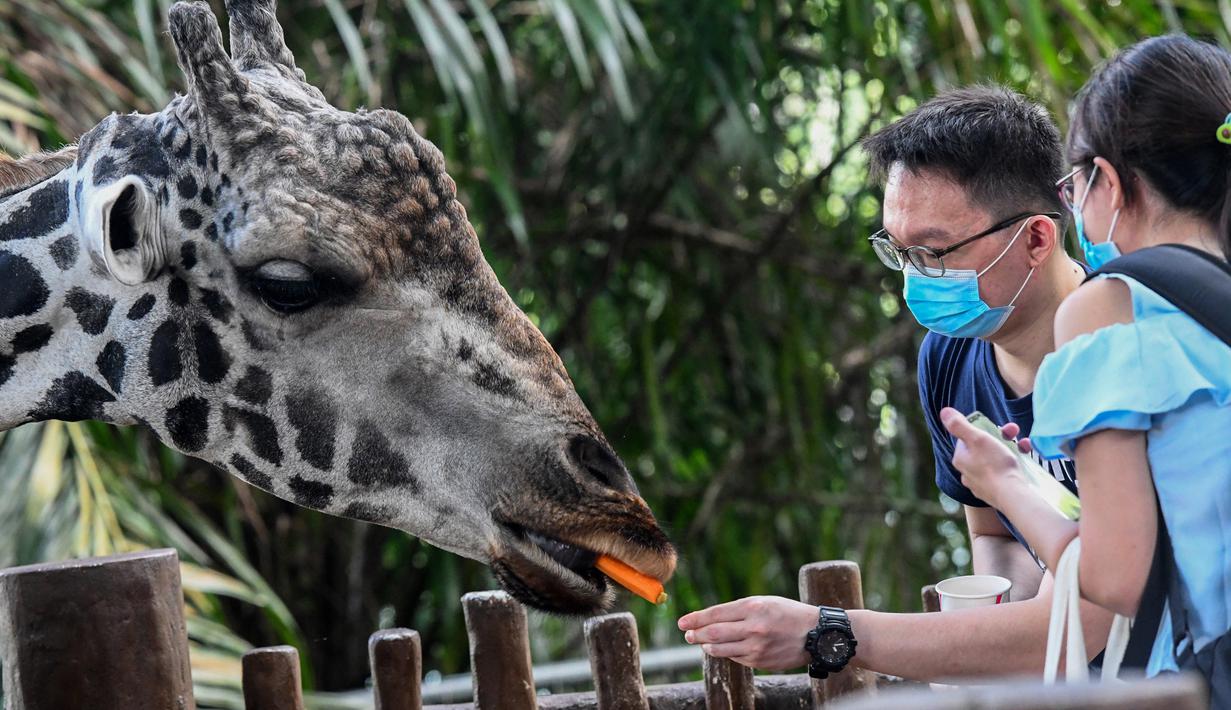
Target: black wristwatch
{"points": [[831, 645]]}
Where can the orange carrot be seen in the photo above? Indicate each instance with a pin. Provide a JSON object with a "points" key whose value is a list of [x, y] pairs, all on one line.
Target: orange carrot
{"points": [[642, 585]]}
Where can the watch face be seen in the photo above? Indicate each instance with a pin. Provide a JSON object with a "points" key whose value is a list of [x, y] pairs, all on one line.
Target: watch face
{"points": [[834, 647]]}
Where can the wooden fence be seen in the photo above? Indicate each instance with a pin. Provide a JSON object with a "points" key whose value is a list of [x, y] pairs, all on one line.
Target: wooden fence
{"points": [[109, 633]]}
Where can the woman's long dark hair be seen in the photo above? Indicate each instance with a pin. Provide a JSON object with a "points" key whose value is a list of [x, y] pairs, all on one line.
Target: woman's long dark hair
{"points": [[1153, 111]]}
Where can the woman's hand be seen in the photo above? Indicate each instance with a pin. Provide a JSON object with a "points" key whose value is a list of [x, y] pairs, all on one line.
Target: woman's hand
{"points": [[760, 632], [988, 469]]}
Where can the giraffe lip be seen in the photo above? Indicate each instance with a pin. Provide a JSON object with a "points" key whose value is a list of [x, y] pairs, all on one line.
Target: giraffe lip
{"points": [[645, 549], [548, 574], [575, 558], [555, 571]]}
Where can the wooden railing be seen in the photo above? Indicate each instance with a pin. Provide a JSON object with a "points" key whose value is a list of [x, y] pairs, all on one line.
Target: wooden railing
{"points": [[109, 633]]}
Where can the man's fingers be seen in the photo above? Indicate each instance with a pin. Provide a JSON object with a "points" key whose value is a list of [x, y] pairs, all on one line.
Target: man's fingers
{"points": [[734, 649], [721, 632], [730, 611], [1024, 445], [1010, 430], [748, 661]]}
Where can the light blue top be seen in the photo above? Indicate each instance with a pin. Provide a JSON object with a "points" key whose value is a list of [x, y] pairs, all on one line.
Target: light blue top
{"points": [[1166, 375]]}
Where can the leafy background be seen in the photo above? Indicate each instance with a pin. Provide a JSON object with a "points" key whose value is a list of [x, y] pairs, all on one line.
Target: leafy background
{"points": [[673, 192]]}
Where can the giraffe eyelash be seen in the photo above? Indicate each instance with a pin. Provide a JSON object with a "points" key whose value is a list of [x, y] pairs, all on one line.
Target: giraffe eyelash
{"points": [[285, 296]]}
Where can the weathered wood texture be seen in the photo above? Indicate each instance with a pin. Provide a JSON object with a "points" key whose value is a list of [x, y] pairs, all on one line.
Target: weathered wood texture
{"points": [[271, 679], [396, 659], [1162, 693], [615, 662], [773, 692], [728, 685], [499, 652], [835, 583], [95, 633]]}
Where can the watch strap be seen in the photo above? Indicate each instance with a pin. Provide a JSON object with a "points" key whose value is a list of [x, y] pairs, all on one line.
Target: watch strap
{"points": [[831, 617]]}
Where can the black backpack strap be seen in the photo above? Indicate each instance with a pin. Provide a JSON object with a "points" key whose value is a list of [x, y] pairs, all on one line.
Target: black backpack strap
{"points": [[1175, 600], [1150, 609], [1192, 280], [1199, 284], [1161, 586]]}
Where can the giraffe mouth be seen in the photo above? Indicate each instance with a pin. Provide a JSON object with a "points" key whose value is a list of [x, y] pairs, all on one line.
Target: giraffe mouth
{"points": [[545, 555], [547, 573], [577, 559]]}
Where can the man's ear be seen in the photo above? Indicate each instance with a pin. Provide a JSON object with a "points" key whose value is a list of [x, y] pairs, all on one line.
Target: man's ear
{"points": [[1043, 236], [119, 225]]}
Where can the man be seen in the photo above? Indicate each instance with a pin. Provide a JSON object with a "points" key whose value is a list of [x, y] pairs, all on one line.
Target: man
{"points": [[973, 218]]}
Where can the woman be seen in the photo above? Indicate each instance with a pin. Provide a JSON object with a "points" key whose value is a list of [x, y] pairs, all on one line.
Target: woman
{"points": [[1137, 392]]}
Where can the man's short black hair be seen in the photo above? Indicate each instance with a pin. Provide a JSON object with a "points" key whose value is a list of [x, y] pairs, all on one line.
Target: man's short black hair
{"points": [[1002, 148]]}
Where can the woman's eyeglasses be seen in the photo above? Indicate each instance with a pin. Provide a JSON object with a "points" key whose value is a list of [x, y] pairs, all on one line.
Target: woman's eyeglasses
{"points": [[1067, 190], [929, 261]]}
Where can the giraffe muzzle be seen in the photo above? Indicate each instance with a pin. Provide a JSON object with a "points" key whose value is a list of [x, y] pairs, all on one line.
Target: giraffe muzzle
{"points": [[549, 563]]}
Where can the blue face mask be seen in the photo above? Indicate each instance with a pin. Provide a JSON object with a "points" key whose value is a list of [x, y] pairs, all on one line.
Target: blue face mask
{"points": [[951, 305], [1096, 254]]}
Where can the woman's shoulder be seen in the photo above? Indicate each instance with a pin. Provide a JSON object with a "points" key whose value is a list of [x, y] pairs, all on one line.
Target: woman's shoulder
{"points": [[1094, 305]]}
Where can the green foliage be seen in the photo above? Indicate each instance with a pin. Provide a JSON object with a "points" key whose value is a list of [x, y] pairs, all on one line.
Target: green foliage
{"points": [[673, 193]]}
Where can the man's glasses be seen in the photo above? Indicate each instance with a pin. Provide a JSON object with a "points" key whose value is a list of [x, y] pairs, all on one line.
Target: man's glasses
{"points": [[929, 261]]}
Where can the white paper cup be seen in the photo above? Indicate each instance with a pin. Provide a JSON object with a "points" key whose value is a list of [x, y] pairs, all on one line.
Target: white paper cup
{"points": [[973, 590]]}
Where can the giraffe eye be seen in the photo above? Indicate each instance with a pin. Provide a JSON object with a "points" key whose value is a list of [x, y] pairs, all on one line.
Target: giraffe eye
{"points": [[288, 296], [286, 286]]}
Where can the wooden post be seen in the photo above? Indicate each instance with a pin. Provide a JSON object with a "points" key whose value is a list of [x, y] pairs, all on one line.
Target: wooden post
{"points": [[835, 583], [615, 662], [396, 658], [931, 600], [271, 679], [105, 632], [728, 685], [499, 652]]}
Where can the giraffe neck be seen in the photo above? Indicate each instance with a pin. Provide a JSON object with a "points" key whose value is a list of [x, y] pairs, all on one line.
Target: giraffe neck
{"points": [[61, 317]]}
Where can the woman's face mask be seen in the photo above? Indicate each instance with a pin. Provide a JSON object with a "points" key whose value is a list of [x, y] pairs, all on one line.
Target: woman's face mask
{"points": [[1096, 254], [951, 305]]}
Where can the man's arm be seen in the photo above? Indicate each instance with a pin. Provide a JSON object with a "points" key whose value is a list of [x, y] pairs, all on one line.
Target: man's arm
{"points": [[1006, 639], [994, 550], [999, 640]]}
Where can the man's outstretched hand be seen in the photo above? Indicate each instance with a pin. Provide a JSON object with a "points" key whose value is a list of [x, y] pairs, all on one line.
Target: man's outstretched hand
{"points": [[761, 632]]}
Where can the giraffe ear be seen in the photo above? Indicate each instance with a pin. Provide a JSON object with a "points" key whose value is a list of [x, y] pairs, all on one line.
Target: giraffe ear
{"points": [[121, 230]]}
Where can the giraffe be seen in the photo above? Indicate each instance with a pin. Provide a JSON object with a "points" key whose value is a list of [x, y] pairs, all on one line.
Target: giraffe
{"points": [[294, 293]]}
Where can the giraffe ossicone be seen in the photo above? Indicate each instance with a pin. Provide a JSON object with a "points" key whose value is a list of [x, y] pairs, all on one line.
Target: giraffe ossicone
{"points": [[293, 293]]}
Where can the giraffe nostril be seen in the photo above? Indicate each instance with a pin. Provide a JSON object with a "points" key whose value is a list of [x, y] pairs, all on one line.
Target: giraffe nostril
{"points": [[598, 461]]}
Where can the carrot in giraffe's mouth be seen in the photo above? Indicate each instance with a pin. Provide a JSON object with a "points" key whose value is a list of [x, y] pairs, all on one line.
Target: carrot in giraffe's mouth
{"points": [[642, 585], [580, 560], [597, 558]]}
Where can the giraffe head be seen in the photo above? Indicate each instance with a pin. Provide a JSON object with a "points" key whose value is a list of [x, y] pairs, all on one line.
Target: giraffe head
{"points": [[294, 293]]}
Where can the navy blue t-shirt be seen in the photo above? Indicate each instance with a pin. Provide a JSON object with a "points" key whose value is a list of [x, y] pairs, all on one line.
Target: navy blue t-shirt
{"points": [[962, 373]]}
